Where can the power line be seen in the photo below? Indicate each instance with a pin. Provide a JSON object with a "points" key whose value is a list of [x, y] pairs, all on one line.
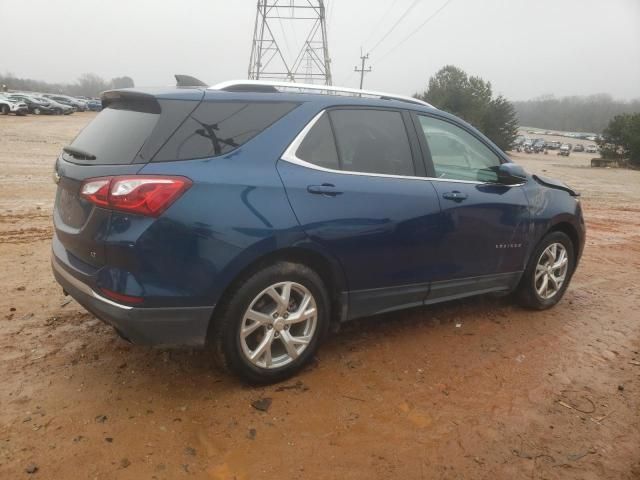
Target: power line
{"points": [[394, 48], [393, 27], [379, 22]]}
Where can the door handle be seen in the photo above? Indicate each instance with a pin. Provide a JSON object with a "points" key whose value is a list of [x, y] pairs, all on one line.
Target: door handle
{"points": [[327, 189], [456, 196]]}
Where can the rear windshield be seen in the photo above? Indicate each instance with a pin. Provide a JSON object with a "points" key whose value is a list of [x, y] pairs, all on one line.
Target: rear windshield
{"points": [[117, 134], [128, 132], [216, 128]]}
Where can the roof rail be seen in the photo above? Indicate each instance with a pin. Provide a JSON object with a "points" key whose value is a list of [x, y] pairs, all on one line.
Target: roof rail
{"points": [[267, 86]]}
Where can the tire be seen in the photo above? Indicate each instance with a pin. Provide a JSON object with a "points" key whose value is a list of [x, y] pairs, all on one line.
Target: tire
{"points": [[4, 109], [37, 111], [250, 305], [531, 292]]}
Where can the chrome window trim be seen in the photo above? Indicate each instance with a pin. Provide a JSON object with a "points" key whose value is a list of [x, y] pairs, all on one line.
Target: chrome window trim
{"points": [[289, 155]]}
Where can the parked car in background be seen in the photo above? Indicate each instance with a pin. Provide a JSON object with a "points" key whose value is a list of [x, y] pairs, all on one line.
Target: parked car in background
{"points": [[8, 105], [64, 108], [591, 149], [578, 148], [538, 145], [553, 145], [35, 105], [94, 105], [248, 219], [59, 108], [79, 105], [565, 149]]}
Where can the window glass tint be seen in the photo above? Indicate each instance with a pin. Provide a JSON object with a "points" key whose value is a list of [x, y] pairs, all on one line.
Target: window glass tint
{"points": [[372, 141], [457, 154], [216, 128], [116, 134], [318, 146]]}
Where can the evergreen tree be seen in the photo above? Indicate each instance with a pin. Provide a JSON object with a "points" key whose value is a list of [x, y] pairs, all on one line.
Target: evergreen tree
{"points": [[471, 98]]}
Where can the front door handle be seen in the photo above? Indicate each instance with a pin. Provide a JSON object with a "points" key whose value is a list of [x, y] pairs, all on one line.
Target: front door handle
{"points": [[456, 196], [327, 189]]}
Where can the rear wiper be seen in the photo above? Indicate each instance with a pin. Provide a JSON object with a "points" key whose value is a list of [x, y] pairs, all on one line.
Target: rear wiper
{"points": [[78, 153]]}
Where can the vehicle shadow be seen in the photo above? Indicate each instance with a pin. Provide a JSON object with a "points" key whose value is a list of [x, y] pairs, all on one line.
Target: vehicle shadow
{"points": [[198, 369]]}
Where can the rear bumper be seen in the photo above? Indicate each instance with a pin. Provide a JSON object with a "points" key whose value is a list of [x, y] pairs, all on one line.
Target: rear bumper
{"points": [[168, 327]]}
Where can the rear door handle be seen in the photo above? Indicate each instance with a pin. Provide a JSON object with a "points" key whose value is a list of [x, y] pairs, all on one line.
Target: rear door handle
{"points": [[456, 196], [327, 189]]}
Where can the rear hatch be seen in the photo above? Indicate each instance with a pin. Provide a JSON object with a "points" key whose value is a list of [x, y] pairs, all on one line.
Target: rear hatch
{"points": [[119, 141]]}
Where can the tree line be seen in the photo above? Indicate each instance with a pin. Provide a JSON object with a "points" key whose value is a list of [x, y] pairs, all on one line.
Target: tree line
{"points": [[471, 98], [87, 85], [590, 113]]}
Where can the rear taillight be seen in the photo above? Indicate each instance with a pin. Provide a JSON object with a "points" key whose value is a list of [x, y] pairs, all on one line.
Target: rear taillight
{"points": [[142, 194]]}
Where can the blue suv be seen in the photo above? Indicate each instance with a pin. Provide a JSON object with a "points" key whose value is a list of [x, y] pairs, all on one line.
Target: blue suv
{"points": [[249, 218]]}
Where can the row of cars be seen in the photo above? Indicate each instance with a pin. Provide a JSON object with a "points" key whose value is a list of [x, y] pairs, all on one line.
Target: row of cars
{"points": [[539, 145], [23, 103], [592, 137]]}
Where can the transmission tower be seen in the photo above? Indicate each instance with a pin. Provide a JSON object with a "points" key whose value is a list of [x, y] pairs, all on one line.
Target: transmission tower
{"points": [[298, 25]]}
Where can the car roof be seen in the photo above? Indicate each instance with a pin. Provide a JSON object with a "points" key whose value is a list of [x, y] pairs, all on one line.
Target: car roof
{"points": [[321, 100]]}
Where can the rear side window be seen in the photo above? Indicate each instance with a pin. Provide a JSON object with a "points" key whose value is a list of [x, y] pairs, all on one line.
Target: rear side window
{"points": [[372, 141], [217, 128], [318, 146], [118, 132]]}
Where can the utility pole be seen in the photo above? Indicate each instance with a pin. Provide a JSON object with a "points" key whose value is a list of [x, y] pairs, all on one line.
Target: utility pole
{"points": [[362, 70], [306, 60]]}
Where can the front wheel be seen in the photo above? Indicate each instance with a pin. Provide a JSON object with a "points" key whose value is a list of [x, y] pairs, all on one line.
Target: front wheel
{"points": [[548, 272], [37, 111], [271, 324]]}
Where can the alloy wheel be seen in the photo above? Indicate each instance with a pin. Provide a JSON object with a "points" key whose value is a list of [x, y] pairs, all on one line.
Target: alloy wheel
{"points": [[278, 325], [551, 270]]}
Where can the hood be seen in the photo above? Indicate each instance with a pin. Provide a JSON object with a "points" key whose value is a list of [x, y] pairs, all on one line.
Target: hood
{"points": [[557, 184]]}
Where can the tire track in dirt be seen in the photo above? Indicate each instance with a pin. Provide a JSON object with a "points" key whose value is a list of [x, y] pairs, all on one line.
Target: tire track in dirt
{"points": [[26, 235]]}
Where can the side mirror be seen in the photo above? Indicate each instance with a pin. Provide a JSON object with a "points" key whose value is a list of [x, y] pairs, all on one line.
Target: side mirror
{"points": [[511, 174]]}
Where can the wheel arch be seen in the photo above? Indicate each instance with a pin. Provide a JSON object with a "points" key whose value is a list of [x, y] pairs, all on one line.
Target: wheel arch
{"points": [[322, 263], [568, 229]]}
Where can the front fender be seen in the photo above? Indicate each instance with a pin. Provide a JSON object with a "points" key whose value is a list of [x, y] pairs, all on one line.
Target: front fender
{"points": [[553, 208]]}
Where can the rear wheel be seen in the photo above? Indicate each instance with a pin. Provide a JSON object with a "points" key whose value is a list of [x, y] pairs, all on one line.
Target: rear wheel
{"points": [[4, 109], [548, 273], [272, 323]]}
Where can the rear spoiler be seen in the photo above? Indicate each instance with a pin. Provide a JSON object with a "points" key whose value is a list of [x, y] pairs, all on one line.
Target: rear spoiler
{"points": [[131, 100]]}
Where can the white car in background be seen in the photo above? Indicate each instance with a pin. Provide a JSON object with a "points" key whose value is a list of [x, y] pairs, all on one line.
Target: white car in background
{"points": [[591, 149], [8, 106]]}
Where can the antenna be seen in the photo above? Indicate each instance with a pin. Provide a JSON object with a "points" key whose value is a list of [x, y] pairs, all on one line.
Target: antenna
{"points": [[311, 61]]}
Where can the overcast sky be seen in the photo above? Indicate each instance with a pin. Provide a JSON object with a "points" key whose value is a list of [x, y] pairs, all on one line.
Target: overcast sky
{"points": [[526, 48]]}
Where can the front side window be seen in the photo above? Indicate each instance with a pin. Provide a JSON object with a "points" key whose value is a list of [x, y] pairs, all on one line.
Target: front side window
{"points": [[372, 141], [456, 154]]}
